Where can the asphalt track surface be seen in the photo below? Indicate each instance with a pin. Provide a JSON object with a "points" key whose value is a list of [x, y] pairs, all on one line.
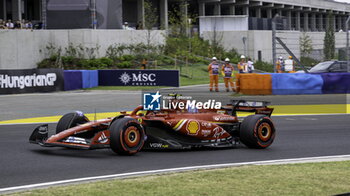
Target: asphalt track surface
{"points": [[52, 104], [297, 136], [23, 163]]}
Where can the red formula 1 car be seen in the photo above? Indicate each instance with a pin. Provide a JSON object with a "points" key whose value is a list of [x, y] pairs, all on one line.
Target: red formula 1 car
{"points": [[127, 134]]}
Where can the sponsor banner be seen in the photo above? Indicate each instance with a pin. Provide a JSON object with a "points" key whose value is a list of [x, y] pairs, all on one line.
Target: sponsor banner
{"points": [[138, 78], [159, 101], [31, 81]]}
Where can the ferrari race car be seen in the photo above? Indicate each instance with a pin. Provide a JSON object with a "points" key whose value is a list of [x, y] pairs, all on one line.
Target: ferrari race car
{"points": [[128, 133]]}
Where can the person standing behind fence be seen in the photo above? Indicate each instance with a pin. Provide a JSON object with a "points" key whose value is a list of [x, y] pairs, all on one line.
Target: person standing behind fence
{"points": [[213, 69], [250, 66], [9, 24], [242, 64], [227, 72], [289, 65], [280, 65], [2, 24]]}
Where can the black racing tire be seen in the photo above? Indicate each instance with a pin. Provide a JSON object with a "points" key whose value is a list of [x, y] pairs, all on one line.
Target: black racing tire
{"points": [[127, 136], [70, 120], [257, 131]]}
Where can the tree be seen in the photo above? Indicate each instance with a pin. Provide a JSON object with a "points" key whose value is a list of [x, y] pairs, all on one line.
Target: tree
{"points": [[179, 20], [151, 19], [329, 39], [305, 44], [216, 40]]}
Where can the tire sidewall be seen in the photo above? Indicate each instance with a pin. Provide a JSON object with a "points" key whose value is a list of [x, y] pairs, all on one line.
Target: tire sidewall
{"points": [[249, 134], [70, 120], [117, 139], [261, 143]]}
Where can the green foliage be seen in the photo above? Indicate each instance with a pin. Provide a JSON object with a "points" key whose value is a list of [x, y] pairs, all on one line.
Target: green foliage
{"points": [[107, 61], [195, 49], [180, 22], [125, 64], [263, 66], [329, 39], [68, 60], [101, 63], [46, 63], [115, 51], [305, 44], [126, 58], [308, 62]]}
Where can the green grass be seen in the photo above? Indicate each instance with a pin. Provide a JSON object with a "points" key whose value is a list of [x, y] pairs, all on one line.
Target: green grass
{"points": [[294, 179]]}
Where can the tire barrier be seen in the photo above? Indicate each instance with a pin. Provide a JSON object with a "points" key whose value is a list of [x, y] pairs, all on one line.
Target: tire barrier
{"points": [[72, 80], [89, 78], [78, 79], [255, 84], [293, 83], [336, 83]]}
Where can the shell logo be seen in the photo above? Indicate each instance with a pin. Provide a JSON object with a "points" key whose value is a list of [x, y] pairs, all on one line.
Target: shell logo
{"points": [[193, 127]]}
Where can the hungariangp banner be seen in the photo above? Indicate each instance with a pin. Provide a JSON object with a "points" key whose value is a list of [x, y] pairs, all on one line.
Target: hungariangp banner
{"points": [[31, 81]]}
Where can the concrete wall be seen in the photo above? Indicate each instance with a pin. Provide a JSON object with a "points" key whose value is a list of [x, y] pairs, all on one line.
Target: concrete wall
{"points": [[255, 41], [23, 49], [223, 23], [262, 41], [323, 4]]}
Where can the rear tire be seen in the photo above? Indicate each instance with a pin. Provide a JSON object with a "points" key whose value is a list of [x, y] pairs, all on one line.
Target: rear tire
{"points": [[127, 136], [257, 131], [70, 120]]}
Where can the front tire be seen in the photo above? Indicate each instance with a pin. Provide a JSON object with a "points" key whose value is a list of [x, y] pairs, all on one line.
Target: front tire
{"points": [[257, 131], [127, 136], [70, 120]]}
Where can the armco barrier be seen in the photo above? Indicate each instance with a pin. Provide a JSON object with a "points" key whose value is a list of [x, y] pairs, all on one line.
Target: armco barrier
{"points": [[255, 84], [336, 83], [296, 83]]}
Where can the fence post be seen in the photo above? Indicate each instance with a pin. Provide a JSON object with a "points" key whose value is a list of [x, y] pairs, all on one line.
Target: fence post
{"points": [[274, 58], [44, 14], [93, 14], [347, 43]]}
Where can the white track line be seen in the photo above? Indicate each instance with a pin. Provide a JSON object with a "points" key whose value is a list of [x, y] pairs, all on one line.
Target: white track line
{"points": [[172, 170]]}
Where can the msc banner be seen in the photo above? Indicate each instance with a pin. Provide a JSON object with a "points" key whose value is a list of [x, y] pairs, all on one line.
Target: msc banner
{"points": [[138, 78], [31, 80]]}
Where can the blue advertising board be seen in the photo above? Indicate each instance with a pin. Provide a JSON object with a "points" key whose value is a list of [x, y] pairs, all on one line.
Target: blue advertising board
{"points": [[138, 78]]}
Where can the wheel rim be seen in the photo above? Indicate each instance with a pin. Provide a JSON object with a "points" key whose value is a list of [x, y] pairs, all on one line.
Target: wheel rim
{"points": [[264, 132], [132, 136]]}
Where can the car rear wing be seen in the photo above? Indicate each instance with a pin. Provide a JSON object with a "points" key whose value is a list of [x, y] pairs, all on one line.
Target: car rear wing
{"points": [[259, 107]]}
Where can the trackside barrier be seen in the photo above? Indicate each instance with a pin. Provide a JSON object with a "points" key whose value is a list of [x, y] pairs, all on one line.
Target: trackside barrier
{"points": [[336, 83], [137, 77], [255, 84], [89, 78], [72, 80], [78, 79], [296, 84]]}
